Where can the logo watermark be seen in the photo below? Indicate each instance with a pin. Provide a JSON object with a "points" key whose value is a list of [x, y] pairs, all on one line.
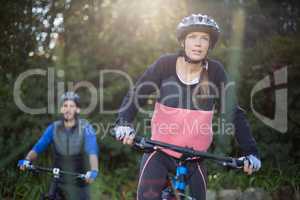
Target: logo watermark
{"points": [[56, 87], [279, 122]]}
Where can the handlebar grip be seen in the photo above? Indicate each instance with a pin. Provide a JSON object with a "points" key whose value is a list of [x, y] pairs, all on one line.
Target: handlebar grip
{"points": [[137, 138], [239, 163]]}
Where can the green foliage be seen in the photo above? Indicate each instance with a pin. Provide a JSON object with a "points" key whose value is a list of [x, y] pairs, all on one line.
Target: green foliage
{"points": [[117, 184]]}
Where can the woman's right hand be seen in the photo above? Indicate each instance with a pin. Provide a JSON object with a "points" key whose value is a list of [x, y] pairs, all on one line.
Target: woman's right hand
{"points": [[124, 133]]}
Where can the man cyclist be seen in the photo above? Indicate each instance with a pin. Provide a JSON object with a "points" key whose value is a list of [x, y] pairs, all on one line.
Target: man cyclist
{"points": [[73, 142], [189, 86]]}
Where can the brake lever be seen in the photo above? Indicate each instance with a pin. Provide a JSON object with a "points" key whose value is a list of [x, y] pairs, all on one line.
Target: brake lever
{"points": [[81, 176], [234, 163], [143, 145], [31, 167]]}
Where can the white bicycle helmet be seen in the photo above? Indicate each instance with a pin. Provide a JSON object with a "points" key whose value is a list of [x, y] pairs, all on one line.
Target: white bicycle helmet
{"points": [[198, 22], [70, 96]]}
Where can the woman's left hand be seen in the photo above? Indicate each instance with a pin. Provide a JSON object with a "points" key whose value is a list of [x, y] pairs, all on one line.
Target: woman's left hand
{"points": [[251, 164]]}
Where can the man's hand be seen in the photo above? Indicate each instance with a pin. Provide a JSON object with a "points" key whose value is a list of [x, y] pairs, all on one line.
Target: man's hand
{"points": [[251, 164], [124, 133], [23, 164], [90, 176]]}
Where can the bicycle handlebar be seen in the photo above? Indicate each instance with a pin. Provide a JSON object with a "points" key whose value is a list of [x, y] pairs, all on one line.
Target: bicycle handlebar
{"points": [[56, 172], [146, 144]]}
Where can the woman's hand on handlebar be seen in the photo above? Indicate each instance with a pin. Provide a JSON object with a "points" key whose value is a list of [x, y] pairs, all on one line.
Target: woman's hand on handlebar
{"points": [[125, 134], [251, 164], [128, 140]]}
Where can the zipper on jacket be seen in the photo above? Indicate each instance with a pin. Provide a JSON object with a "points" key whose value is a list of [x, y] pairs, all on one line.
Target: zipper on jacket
{"points": [[68, 148]]}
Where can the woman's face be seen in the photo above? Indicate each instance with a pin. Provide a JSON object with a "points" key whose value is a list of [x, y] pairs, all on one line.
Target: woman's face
{"points": [[196, 45]]}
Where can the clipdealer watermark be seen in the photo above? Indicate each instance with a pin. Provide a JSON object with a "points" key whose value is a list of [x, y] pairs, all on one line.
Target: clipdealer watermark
{"points": [[56, 88]]}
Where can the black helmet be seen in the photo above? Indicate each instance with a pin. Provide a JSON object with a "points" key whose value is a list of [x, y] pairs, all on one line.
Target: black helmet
{"points": [[70, 96], [198, 22]]}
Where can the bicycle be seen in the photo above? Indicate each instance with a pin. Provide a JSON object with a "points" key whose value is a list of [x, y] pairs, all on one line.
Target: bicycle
{"points": [[176, 184], [54, 193]]}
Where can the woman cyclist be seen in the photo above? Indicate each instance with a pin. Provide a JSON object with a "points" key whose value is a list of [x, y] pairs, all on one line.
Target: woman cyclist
{"points": [[189, 85]]}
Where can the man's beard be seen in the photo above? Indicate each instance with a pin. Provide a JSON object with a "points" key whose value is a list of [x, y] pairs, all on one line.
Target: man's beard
{"points": [[69, 119]]}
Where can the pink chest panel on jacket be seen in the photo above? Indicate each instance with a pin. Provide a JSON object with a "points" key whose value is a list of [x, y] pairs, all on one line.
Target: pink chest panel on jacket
{"points": [[182, 127]]}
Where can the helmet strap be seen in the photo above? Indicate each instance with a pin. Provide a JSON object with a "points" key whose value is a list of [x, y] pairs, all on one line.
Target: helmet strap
{"points": [[189, 60]]}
